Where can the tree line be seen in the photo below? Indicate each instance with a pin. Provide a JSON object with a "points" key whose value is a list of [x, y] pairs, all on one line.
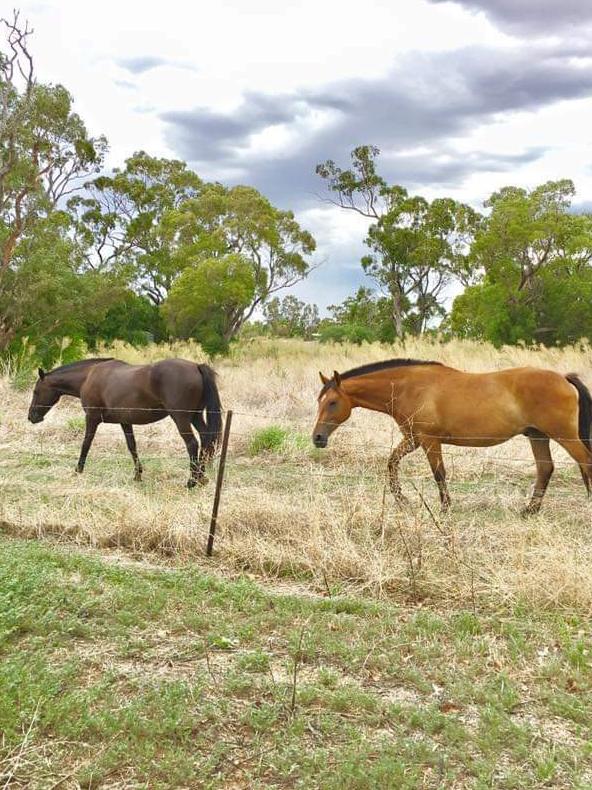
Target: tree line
{"points": [[151, 251], [145, 252]]}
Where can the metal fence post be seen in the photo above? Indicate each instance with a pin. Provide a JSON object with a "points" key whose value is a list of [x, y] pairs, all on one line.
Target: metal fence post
{"points": [[219, 481]]}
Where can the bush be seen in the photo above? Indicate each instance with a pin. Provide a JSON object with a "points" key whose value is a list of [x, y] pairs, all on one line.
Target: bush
{"points": [[347, 333], [276, 439], [271, 439]]}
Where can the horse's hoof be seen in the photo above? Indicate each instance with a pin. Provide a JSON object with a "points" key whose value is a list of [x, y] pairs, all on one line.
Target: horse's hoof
{"points": [[191, 483], [78, 470], [203, 481], [137, 478]]}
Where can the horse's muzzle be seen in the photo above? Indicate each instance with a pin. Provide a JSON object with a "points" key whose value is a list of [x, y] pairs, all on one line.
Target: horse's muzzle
{"points": [[35, 418], [319, 440]]}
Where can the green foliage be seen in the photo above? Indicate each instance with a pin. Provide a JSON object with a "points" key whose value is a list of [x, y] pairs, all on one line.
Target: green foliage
{"points": [[45, 295], [75, 425], [361, 318], [290, 317], [119, 222], [46, 150], [489, 311], [270, 439], [223, 221], [417, 248], [131, 318], [565, 307], [155, 218], [275, 439], [255, 661], [206, 298], [254, 329], [536, 283], [527, 231], [347, 333]]}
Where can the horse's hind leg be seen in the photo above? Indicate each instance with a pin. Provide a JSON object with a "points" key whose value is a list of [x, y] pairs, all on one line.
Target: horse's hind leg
{"points": [[131, 446], [539, 443], [91, 428], [183, 423], [582, 456], [202, 429], [433, 451], [406, 446]]}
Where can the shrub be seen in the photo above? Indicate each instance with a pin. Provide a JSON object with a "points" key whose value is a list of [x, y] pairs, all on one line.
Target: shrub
{"points": [[276, 439], [347, 333], [272, 438]]}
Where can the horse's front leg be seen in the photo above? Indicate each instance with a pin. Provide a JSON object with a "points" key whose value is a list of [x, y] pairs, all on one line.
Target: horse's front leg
{"points": [[186, 430], [406, 446], [91, 428], [131, 446]]}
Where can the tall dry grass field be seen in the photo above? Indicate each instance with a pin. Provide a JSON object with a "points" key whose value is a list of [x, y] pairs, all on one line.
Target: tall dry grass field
{"points": [[289, 510]]}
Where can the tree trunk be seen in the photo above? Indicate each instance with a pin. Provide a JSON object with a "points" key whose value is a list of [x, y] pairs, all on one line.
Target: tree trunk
{"points": [[397, 313], [7, 334]]}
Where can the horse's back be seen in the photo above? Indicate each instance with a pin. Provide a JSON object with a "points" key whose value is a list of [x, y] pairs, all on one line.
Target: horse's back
{"points": [[178, 383], [143, 393], [487, 408]]}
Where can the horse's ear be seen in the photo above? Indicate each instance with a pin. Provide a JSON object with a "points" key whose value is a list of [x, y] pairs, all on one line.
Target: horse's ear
{"points": [[336, 378], [41, 373], [324, 379]]}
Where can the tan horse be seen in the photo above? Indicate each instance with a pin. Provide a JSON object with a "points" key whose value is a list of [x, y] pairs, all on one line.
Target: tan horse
{"points": [[434, 405]]}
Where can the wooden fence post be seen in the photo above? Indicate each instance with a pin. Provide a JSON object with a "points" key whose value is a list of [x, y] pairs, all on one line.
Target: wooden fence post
{"points": [[219, 481]]}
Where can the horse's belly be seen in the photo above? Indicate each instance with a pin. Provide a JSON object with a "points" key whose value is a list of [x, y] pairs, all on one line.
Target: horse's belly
{"points": [[132, 415], [477, 441]]}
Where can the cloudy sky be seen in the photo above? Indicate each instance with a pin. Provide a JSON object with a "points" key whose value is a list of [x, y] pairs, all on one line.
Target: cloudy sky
{"points": [[461, 96]]}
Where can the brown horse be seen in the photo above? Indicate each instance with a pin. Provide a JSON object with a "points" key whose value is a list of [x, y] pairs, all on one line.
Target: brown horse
{"points": [[434, 405], [113, 391]]}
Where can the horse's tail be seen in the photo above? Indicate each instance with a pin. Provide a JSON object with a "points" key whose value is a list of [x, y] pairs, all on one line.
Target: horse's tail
{"points": [[585, 410], [210, 437]]}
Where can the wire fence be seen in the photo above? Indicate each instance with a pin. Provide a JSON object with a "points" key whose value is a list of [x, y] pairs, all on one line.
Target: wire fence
{"points": [[294, 465], [414, 423], [346, 441]]}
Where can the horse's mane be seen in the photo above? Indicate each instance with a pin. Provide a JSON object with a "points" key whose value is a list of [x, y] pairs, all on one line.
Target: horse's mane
{"points": [[81, 363], [375, 367]]}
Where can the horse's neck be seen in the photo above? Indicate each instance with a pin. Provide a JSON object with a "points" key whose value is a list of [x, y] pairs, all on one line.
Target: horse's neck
{"points": [[70, 381], [372, 393]]}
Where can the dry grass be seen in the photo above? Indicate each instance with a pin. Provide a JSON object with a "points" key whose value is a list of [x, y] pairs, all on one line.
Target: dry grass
{"points": [[309, 514]]}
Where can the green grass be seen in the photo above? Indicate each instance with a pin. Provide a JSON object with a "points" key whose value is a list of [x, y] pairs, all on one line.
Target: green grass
{"points": [[75, 425], [275, 439], [175, 678]]}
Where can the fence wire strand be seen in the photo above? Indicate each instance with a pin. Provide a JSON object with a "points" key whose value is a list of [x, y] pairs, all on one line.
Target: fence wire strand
{"points": [[450, 438]]}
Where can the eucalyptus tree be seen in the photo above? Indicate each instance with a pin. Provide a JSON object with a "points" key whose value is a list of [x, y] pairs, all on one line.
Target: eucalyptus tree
{"points": [[534, 259], [46, 153], [417, 248]]}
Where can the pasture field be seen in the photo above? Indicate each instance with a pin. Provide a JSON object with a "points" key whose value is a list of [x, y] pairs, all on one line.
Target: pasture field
{"points": [[126, 676], [335, 640]]}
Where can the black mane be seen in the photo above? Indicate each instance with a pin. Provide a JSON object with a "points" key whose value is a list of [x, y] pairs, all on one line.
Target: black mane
{"points": [[375, 367], [79, 364]]}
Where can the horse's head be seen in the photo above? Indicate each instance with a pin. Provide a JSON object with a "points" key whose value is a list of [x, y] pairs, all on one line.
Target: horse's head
{"points": [[44, 397], [334, 408]]}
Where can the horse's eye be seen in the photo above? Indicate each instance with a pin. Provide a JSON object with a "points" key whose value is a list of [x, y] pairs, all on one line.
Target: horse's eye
{"points": [[332, 404]]}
